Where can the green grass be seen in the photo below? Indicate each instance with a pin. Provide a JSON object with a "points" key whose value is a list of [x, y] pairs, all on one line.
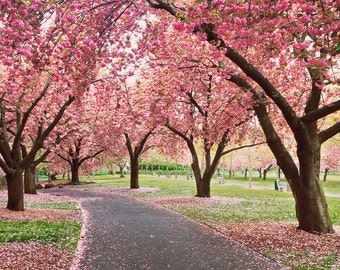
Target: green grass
{"points": [[63, 234], [332, 184], [47, 205], [261, 202], [52, 205]]}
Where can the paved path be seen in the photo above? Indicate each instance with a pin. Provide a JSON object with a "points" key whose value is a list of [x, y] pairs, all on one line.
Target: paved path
{"points": [[123, 233]]}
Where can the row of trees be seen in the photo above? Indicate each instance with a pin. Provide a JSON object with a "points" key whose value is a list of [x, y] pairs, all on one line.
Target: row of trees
{"points": [[127, 76]]}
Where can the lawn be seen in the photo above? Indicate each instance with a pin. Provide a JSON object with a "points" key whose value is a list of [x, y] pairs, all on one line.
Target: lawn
{"points": [[62, 234], [262, 202]]}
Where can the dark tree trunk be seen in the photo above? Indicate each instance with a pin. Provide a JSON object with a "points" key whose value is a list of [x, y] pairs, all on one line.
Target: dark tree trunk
{"points": [[134, 156], [265, 174], [75, 174], [15, 187], [203, 190], [310, 201], [203, 183], [311, 206], [29, 180], [312, 210], [260, 172], [265, 171], [325, 174], [134, 181]]}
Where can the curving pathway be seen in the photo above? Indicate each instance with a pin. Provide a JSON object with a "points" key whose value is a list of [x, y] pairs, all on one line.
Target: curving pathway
{"points": [[122, 233]]}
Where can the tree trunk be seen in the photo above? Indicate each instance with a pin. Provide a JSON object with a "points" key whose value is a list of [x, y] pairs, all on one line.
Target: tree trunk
{"points": [[121, 171], [203, 189], [15, 187], [325, 174], [260, 172], [311, 206], [265, 175], [134, 181], [75, 174], [312, 209], [29, 180], [310, 202], [265, 171]]}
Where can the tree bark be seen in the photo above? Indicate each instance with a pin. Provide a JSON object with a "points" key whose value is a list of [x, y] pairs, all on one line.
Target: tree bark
{"points": [[15, 187], [310, 201], [29, 180], [75, 174], [134, 180], [311, 206]]}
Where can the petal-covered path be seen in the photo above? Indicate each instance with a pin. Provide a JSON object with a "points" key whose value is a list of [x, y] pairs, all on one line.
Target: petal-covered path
{"points": [[123, 233]]}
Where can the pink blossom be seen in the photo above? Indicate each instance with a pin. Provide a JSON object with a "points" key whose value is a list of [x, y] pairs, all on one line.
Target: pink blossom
{"points": [[240, 21], [179, 26], [19, 24], [300, 46]]}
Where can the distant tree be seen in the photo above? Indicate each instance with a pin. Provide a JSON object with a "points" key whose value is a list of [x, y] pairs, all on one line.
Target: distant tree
{"points": [[330, 159]]}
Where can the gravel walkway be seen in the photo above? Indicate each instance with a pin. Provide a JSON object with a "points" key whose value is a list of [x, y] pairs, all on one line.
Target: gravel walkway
{"points": [[123, 233]]}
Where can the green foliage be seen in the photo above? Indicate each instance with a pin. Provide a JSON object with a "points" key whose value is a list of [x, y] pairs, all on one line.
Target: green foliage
{"points": [[63, 234]]}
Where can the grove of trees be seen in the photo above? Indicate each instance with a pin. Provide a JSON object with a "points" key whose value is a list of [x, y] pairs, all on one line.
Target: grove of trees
{"points": [[79, 77]]}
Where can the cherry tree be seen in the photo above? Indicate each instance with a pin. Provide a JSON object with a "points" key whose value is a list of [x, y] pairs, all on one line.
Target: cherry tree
{"points": [[330, 159], [47, 61], [200, 110], [140, 128], [116, 155], [87, 137], [264, 161], [284, 53]]}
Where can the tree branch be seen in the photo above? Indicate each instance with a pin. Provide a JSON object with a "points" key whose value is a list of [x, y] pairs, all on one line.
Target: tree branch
{"points": [[329, 133], [160, 4], [27, 113], [194, 102], [320, 113], [91, 156], [39, 141]]}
